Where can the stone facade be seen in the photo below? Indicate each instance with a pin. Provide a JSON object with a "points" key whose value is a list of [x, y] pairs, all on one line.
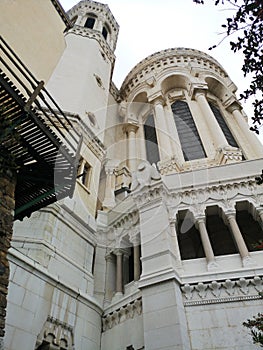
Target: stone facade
{"points": [[160, 246]]}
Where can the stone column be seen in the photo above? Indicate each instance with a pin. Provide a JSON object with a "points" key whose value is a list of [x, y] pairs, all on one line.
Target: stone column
{"points": [[136, 262], [119, 272], [242, 248], [251, 138], [259, 211], [175, 241], [110, 279], [209, 254], [216, 132], [131, 129], [162, 133], [99, 24], [109, 197]]}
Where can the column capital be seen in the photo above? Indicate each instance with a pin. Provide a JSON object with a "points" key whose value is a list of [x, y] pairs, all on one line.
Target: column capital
{"points": [[109, 257], [119, 251], [135, 238], [131, 126], [200, 218], [157, 98], [230, 214], [197, 88], [232, 106]]}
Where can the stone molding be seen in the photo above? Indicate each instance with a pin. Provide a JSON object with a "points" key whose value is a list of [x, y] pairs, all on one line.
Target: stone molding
{"points": [[228, 155], [169, 166], [175, 57], [222, 291], [128, 311], [56, 333], [96, 35]]}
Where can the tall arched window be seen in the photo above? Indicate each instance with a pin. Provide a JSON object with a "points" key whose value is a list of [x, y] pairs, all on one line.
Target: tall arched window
{"points": [[151, 142], [189, 138], [223, 125], [89, 22]]}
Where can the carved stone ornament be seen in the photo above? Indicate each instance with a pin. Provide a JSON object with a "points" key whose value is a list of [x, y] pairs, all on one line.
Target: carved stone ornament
{"points": [[144, 176], [126, 312], [222, 291], [58, 335]]}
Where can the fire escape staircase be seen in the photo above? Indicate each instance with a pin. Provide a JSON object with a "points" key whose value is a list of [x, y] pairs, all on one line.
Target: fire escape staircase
{"points": [[36, 136]]}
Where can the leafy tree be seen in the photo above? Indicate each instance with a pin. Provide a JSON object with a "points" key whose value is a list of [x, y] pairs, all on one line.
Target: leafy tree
{"points": [[247, 24], [256, 327]]}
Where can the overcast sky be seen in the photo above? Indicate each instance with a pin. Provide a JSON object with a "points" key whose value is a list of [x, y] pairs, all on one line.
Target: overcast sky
{"points": [[148, 26]]}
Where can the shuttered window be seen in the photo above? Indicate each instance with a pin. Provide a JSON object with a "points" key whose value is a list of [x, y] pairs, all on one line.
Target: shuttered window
{"points": [[189, 138], [151, 142]]}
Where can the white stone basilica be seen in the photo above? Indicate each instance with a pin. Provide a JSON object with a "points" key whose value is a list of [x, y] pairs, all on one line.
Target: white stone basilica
{"points": [[161, 245]]}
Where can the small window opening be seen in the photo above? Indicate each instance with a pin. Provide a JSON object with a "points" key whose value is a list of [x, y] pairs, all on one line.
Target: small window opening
{"points": [[105, 32], [90, 22]]}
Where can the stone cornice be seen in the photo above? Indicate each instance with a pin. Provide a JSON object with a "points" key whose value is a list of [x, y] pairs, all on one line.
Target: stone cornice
{"points": [[169, 58]]}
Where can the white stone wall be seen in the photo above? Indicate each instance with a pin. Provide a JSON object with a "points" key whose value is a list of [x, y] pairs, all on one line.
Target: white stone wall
{"points": [[219, 326], [36, 295]]}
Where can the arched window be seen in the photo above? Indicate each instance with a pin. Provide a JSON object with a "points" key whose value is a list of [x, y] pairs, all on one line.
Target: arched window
{"points": [[223, 125], [188, 237], [220, 236], [151, 142], [90, 22], [189, 138]]}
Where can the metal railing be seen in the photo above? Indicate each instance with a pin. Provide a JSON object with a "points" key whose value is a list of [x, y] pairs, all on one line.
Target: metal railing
{"points": [[38, 97]]}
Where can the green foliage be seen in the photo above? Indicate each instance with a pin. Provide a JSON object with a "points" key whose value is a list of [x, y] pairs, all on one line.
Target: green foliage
{"points": [[256, 328], [247, 24]]}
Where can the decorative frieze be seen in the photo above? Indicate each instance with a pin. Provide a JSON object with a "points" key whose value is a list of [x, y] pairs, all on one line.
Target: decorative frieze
{"points": [[122, 314], [222, 291]]}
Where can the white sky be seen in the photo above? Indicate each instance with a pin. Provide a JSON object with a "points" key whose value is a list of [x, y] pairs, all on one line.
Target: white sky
{"points": [[148, 26]]}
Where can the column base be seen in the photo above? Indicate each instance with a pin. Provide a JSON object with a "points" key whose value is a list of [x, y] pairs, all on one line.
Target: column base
{"points": [[212, 265], [117, 296], [247, 261]]}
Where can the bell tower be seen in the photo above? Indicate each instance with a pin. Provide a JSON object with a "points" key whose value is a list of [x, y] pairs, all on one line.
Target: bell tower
{"points": [[81, 80]]}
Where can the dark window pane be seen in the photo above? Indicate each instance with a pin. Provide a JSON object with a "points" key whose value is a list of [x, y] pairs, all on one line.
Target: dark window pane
{"points": [[251, 230], [220, 236], [104, 33], [90, 22], [189, 138], [189, 240], [221, 121], [152, 150]]}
